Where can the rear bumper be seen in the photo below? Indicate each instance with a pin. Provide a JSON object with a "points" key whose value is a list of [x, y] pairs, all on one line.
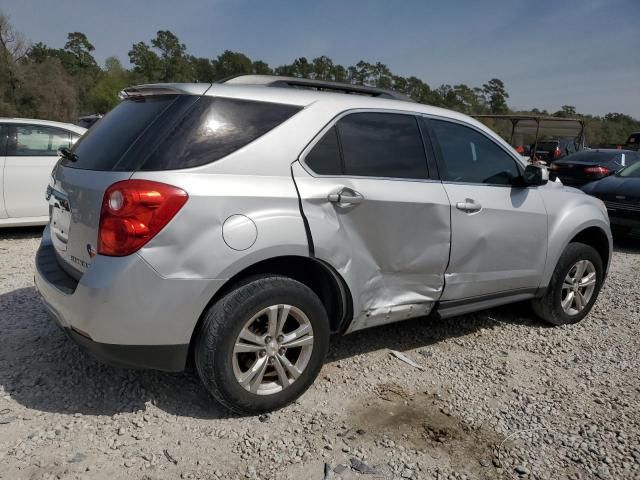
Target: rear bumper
{"points": [[169, 358], [122, 311]]}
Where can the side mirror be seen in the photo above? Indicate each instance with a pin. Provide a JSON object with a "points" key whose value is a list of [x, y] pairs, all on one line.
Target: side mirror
{"points": [[535, 175]]}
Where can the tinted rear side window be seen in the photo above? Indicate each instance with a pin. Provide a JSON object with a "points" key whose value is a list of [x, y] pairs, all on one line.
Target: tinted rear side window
{"points": [[168, 132], [382, 145], [102, 147], [213, 128], [325, 156]]}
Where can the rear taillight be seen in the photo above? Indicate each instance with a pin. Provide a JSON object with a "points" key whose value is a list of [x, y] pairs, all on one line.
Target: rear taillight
{"points": [[597, 170], [557, 153], [133, 212]]}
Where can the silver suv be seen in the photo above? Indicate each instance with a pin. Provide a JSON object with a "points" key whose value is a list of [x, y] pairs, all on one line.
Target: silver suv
{"points": [[242, 223]]}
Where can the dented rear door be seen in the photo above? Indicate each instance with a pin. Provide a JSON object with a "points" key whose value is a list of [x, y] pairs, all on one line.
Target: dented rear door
{"points": [[389, 238]]}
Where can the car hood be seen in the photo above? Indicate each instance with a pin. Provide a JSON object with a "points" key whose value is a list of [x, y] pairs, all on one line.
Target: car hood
{"points": [[629, 187]]}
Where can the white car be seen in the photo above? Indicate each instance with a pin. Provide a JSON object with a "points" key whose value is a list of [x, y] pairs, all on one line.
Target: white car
{"points": [[28, 153]]}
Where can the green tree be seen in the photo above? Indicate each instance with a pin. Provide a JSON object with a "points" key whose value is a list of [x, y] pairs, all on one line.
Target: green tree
{"points": [[146, 63], [496, 96], [261, 68], [204, 70], [173, 58], [322, 68], [104, 96], [80, 51], [169, 61], [232, 63], [13, 49]]}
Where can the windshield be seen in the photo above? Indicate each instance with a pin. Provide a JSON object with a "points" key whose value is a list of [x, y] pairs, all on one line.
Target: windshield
{"points": [[631, 171]]}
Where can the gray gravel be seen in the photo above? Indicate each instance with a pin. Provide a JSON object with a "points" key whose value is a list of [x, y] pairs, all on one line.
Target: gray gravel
{"points": [[503, 396]]}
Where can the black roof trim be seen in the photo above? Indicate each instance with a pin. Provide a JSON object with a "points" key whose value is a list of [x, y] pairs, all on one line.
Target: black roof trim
{"points": [[320, 85]]}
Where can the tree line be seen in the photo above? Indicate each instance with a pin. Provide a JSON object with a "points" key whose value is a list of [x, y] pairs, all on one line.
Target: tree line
{"points": [[39, 81]]}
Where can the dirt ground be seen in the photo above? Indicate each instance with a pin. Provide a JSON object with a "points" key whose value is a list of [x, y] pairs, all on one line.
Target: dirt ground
{"points": [[501, 396]]}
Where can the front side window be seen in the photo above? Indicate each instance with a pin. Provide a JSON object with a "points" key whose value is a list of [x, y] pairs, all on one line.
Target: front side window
{"points": [[38, 141], [471, 157], [386, 145]]}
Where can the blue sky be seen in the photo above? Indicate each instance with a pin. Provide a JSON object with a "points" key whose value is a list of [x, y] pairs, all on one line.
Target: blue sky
{"points": [[548, 53]]}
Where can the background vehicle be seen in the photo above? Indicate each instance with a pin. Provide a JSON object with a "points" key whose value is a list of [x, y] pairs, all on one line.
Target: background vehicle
{"points": [[245, 221], [539, 137], [590, 165], [28, 153], [633, 142], [550, 150], [88, 121], [621, 195]]}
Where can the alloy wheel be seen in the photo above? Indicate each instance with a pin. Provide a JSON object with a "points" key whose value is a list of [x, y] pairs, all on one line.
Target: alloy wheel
{"points": [[578, 287], [273, 349]]}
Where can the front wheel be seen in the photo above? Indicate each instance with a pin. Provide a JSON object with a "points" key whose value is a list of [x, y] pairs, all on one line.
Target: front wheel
{"points": [[574, 286], [262, 345]]}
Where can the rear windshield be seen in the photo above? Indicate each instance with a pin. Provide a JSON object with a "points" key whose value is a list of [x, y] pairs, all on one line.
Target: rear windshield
{"points": [[102, 146], [175, 131]]}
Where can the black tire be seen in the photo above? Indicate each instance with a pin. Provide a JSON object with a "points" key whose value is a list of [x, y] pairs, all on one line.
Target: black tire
{"points": [[222, 324], [549, 307]]}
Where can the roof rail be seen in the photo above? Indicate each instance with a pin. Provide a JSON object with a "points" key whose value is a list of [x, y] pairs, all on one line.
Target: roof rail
{"points": [[320, 85]]}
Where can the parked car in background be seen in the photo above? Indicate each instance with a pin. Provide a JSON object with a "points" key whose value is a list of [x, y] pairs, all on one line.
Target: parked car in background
{"points": [[589, 165], [88, 121], [28, 153], [246, 221], [621, 194], [633, 142], [552, 150]]}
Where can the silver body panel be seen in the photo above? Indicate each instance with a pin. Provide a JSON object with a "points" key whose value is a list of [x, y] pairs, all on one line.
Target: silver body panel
{"points": [[501, 247], [392, 249], [399, 252]]}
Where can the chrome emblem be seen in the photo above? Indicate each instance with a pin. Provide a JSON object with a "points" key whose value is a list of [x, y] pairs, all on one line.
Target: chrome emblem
{"points": [[91, 251]]}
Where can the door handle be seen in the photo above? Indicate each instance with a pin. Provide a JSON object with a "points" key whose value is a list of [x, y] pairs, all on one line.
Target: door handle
{"points": [[469, 206], [345, 196]]}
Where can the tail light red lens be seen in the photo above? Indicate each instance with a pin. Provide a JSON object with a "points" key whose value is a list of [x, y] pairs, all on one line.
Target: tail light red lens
{"points": [[133, 212], [557, 153], [597, 170]]}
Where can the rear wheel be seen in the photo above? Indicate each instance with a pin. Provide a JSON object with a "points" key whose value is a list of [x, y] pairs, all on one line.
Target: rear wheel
{"points": [[574, 286], [262, 345]]}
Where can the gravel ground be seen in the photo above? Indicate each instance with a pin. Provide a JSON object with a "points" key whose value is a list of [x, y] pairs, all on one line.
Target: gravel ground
{"points": [[501, 396]]}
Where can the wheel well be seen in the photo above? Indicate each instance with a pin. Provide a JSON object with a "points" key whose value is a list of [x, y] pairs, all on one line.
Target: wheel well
{"points": [[315, 274], [596, 238]]}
